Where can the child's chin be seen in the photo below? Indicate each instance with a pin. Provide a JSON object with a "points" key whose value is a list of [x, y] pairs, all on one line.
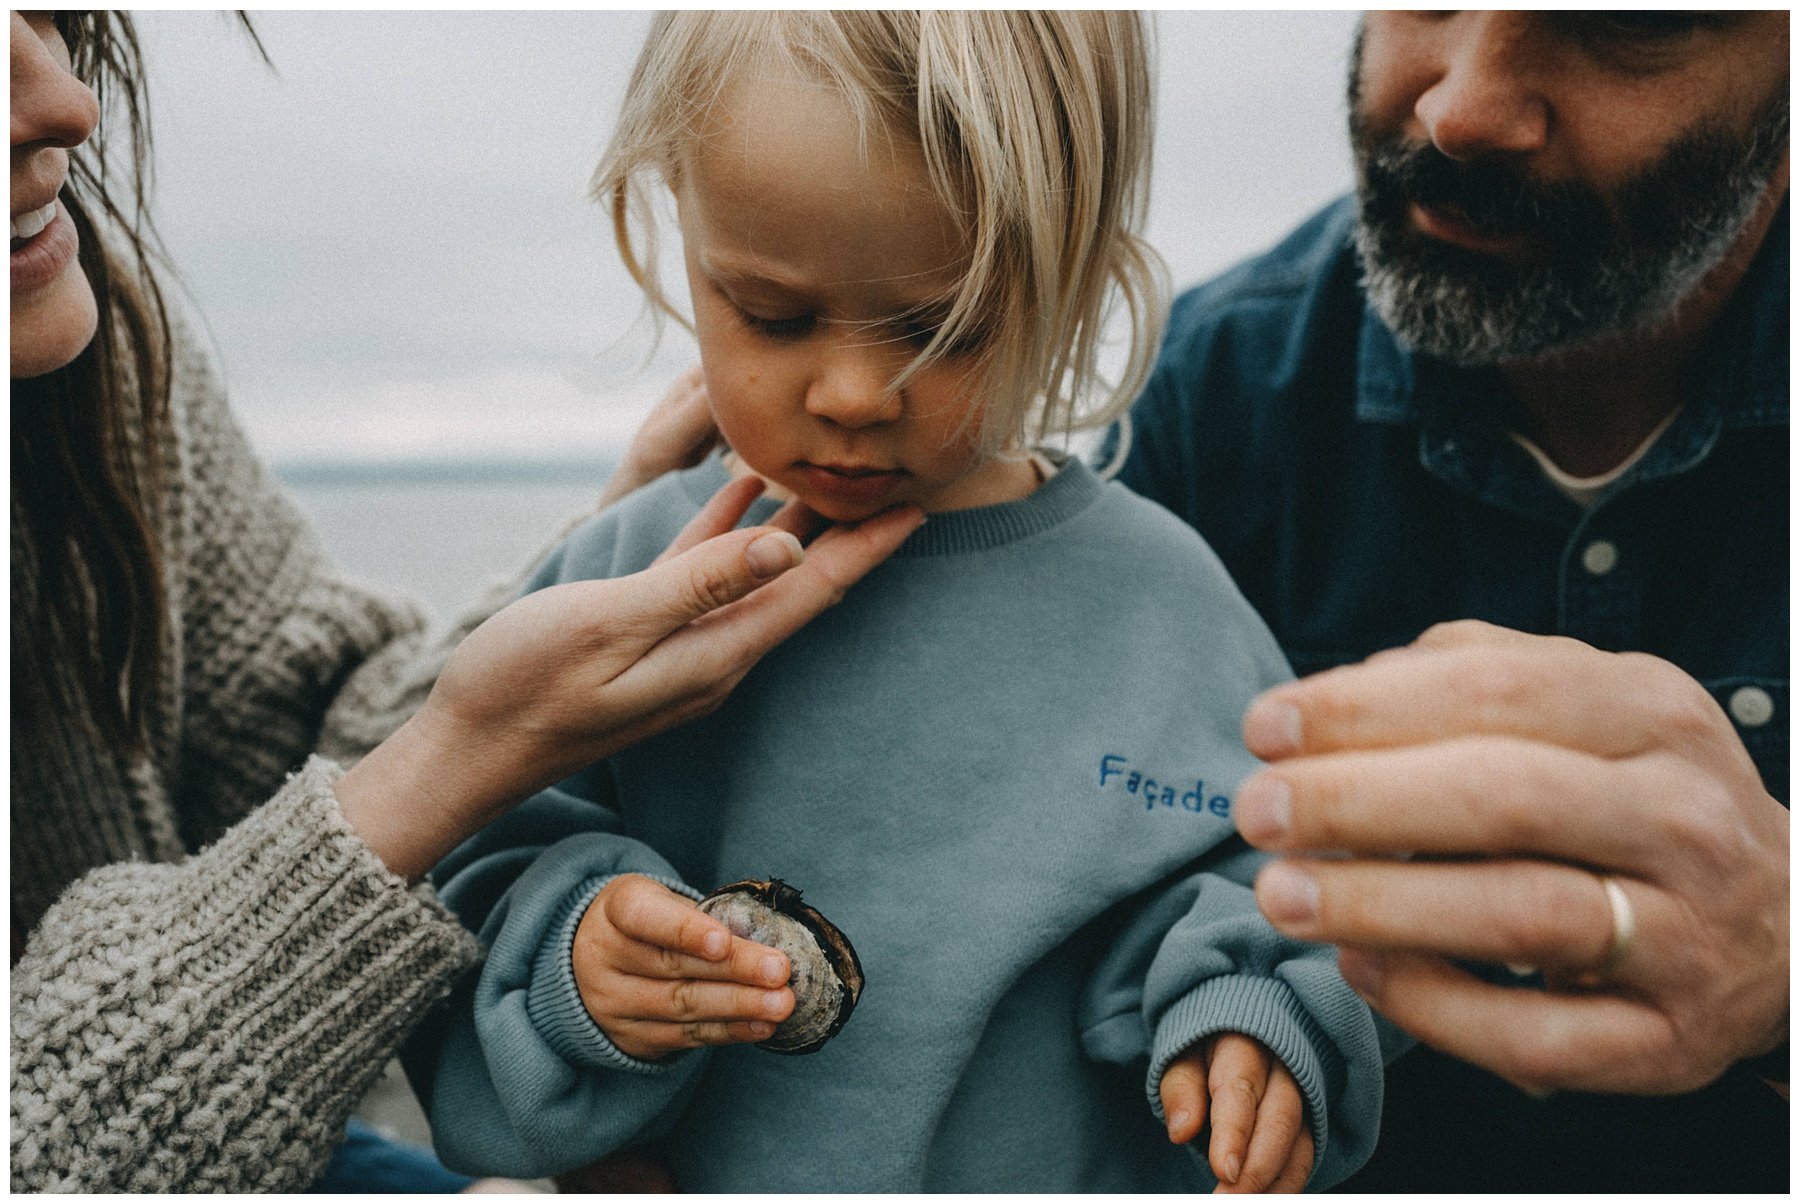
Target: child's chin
{"points": [[839, 511]]}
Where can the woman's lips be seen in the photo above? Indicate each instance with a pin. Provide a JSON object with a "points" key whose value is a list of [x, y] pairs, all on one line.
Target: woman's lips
{"points": [[1447, 225], [853, 485], [44, 256]]}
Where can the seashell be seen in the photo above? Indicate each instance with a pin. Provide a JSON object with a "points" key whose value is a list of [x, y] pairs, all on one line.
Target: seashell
{"points": [[826, 976]]}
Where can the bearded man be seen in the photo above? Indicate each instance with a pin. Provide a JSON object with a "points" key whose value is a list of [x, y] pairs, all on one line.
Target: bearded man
{"points": [[1517, 413]]}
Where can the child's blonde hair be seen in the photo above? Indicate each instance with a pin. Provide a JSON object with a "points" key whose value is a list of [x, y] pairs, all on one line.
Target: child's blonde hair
{"points": [[1035, 128]]}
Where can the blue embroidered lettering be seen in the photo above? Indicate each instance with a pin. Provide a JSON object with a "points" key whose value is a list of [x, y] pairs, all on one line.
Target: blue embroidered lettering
{"points": [[1116, 773]]}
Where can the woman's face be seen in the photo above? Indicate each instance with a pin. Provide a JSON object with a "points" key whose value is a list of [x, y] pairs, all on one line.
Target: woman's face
{"points": [[53, 312]]}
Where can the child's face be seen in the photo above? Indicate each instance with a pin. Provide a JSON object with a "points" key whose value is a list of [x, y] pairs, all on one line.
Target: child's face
{"points": [[809, 263]]}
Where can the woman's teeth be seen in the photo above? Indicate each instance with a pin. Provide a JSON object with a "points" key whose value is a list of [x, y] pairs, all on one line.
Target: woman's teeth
{"points": [[27, 225]]}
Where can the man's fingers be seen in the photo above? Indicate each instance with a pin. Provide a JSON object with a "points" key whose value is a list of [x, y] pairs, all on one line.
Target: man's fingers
{"points": [[1538, 1040], [1535, 913], [1463, 795], [1547, 688], [1237, 1073], [1183, 1094]]}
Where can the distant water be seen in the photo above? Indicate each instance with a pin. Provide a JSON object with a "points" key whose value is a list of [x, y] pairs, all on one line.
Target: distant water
{"points": [[440, 532]]}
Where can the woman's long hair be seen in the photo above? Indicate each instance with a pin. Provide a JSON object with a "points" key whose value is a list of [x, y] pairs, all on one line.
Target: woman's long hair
{"points": [[86, 437]]}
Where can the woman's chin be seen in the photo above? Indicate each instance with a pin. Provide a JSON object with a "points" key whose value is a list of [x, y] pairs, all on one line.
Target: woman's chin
{"points": [[52, 325]]}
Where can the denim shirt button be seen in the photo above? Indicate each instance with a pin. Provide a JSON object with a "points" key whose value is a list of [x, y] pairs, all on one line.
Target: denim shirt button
{"points": [[1600, 557], [1751, 706]]}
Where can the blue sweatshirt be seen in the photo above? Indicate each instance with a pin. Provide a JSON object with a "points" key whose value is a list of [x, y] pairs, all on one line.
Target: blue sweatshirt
{"points": [[1003, 765]]}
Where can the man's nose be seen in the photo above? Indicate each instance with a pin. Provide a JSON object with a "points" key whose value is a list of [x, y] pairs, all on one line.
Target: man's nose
{"points": [[50, 106], [853, 387], [1486, 100]]}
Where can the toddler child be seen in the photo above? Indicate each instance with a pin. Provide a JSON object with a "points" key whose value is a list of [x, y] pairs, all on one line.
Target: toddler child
{"points": [[1002, 765]]}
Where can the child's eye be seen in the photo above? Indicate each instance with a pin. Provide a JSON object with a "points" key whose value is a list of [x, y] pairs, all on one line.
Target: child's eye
{"points": [[782, 329], [920, 334]]}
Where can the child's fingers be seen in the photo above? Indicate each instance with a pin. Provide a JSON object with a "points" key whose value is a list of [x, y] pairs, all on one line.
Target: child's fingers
{"points": [[1299, 1166], [689, 1000], [747, 962], [648, 911], [1183, 1092], [1237, 1073], [651, 1039], [1280, 1123]]}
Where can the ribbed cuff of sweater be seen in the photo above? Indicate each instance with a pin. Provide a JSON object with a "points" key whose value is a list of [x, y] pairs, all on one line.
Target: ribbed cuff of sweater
{"points": [[1266, 1009], [554, 1002]]}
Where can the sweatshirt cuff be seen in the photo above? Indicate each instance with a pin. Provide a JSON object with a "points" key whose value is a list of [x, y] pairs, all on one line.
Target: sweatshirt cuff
{"points": [[554, 1004], [1266, 1009]]}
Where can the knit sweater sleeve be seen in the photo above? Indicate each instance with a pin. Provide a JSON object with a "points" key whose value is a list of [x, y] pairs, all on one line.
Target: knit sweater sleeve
{"points": [[1200, 959], [516, 1077], [208, 1025]]}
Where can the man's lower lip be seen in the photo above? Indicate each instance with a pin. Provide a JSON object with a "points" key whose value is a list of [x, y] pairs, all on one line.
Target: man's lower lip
{"points": [[861, 488], [1445, 226], [45, 254]]}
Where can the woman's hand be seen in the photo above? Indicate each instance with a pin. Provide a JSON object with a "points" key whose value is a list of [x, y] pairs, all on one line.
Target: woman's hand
{"points": [[570, 674], [659, 975], [677, 433], [1520, 769]]}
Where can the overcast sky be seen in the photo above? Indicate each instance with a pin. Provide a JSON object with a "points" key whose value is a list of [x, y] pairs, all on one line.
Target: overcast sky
{"points": [[391, 238]]}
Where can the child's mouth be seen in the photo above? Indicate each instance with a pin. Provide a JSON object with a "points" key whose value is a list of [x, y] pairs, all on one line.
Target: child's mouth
{"points": [[850, 483]]}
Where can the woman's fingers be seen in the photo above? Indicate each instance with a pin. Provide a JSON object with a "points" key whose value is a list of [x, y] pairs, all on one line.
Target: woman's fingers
{"points": [[722, 512]]}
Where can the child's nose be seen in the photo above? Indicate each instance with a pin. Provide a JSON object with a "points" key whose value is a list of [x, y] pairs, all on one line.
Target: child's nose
{"points": [[854, 386]]}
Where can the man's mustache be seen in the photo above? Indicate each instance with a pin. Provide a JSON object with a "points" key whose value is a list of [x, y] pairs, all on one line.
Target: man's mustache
{"points": [[1493, 198]]}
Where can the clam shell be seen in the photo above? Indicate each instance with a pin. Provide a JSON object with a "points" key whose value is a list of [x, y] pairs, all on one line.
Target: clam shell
{"points": [[826, 977]]}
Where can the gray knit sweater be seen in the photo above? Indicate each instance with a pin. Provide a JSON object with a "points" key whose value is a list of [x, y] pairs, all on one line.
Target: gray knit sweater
{"points": [[216, 966]]}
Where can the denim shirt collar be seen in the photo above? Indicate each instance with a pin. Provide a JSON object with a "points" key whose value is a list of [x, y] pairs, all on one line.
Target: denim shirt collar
{"points": [[1738, 379]]}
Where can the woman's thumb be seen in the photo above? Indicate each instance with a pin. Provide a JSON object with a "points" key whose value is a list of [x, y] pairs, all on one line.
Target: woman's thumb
{"points": [[722, 570]]}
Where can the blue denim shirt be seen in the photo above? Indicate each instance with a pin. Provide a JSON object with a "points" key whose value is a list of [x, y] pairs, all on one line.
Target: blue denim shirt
{"points": [[1359, 493]]}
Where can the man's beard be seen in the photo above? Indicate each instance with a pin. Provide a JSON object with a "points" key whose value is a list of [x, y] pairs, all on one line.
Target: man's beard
{"points": [[1592, 271]]}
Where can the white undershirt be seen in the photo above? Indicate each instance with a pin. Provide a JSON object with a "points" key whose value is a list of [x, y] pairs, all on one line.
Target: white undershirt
{"points": [[1585, 491]]}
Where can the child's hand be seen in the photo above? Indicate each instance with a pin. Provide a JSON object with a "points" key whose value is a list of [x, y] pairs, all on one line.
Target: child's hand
{"points": [[1260, 1138], [658, 975], [676, 434]]}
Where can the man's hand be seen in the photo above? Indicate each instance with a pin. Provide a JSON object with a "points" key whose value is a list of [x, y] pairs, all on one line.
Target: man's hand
{"points": [[658, 975], [1482, 781], [1260, 1139]]}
